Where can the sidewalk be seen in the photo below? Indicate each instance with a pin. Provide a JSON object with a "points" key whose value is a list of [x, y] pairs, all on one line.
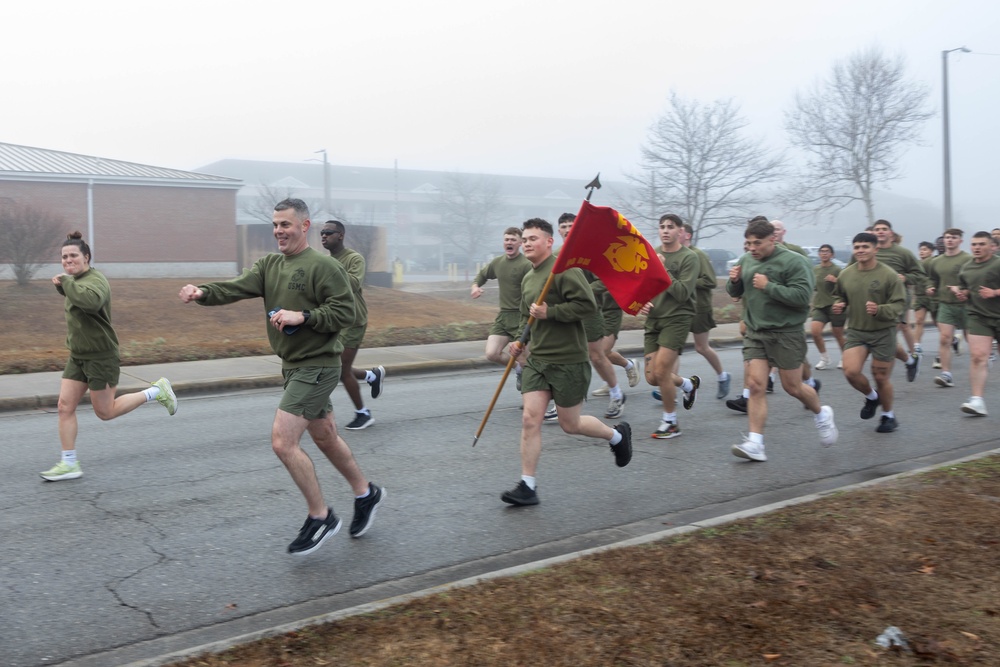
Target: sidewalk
{"points": [[31, 391]]}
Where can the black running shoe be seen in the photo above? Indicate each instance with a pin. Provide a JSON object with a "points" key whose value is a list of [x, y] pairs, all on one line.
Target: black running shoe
{"points": [[361, 420], [520, 495], [888, 425], [739, 404], [691, 396], [770, 384], [913, 369], [623, 450], [314, 533], [376, 384], [868, 411], [365, 508]]}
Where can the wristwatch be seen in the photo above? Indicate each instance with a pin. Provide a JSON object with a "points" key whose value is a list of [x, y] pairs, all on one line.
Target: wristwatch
{"points": [[305, 316]]}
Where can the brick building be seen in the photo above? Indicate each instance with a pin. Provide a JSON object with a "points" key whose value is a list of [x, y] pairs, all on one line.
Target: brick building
{"points": [[140, 220]]}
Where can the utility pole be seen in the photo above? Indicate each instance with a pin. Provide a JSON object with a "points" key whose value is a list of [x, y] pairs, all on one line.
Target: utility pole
{"points": [[326, 183], [947, 140]]}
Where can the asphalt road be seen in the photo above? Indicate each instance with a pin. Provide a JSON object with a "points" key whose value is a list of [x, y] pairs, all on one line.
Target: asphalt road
{"points": [[176, 534]]}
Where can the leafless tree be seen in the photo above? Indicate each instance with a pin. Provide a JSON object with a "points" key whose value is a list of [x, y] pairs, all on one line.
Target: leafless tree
{"points": [[261, 207], [29, 238], [471, 208], [854, 126], [698, 163]]}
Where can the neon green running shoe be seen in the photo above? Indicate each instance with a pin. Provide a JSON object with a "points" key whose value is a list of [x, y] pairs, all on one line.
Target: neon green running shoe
{"points": [[62, 470], [167, 398]]}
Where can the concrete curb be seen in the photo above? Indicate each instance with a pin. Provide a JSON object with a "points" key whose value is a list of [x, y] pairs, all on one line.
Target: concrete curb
{"points": [[219, 646]]}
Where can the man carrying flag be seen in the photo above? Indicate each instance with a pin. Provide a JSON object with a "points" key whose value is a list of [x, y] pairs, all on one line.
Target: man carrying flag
{"points": [[668, 321], [559, 366]]}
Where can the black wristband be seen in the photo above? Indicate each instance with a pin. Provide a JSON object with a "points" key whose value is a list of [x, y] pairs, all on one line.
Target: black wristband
{"points": [[305, 316]]}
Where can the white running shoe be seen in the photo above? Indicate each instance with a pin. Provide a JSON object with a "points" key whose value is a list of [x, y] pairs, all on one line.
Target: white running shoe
{"points": [[828, 432], [824, 363], [633, 373], [749, 450], [976, 406], [602, 391]]}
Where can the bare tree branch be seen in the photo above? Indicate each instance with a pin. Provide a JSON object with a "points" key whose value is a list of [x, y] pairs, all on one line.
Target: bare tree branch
{"points": [[471, 208], [854, 127], [697, 163], [29, 238]]}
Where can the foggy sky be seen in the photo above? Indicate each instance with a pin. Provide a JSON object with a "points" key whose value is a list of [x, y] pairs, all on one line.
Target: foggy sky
{"points": [[529, 87]]}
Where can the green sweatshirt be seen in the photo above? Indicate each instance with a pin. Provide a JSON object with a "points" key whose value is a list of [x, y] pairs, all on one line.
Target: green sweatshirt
{"points": [[356, 267], [981, 274], [783, 305], [880, 284], [89, 334], [706, 283], [560, 337], [823, 294], [508, 273], [309, 281], [678, 299], [943, 273]]}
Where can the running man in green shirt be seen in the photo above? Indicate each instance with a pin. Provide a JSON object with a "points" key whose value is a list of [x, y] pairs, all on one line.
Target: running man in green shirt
{"points": [[873, 297], [943, 273], [979, 288], [826, 273]]}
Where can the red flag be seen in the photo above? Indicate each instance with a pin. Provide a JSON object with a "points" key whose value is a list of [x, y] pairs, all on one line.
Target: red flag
{"points": [[603, 242]]}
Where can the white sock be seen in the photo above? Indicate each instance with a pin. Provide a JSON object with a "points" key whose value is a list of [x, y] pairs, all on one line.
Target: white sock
{"points": [[364, 411], [912, 359], [629, 366], [811, 382], [686, 385], [529, 480], [757, 438], [890, 414], [670, 417], [69, 456], [151, 393], [369, 377], [616, 438], [616, 392], [723, 376], [746, 393], [872, 395], [365, 494]]}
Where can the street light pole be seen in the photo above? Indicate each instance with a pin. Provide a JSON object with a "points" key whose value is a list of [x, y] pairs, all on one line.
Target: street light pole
{"points": [[947, 141], [326, 183]]}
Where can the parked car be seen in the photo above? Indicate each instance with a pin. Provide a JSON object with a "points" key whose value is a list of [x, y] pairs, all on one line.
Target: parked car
{"points": [[720, 260]]}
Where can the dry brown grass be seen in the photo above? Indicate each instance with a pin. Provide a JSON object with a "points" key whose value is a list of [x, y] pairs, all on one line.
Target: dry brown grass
{"points": [[806, 586]]}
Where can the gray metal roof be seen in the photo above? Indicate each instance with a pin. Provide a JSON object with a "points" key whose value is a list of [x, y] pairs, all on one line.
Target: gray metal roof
{"points": [[42, 163]]}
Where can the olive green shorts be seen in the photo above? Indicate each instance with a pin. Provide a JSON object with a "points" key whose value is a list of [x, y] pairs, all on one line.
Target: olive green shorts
{"points": [[593, 326], [671, 333], [784, 349], [881, 343], [612, 321], [951, 313], [352, 336], [927, 303], [307, 390], [96, 373], [826, 315], [507, 323], [703, 322], [567, 382], [983, 326]]}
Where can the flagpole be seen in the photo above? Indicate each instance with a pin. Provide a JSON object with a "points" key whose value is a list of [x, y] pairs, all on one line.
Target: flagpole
{"points": [[523, 340]]}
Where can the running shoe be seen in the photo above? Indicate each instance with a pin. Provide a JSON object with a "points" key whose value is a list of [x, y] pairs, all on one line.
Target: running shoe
{"points": [[944, 380], [314, 533], [887, 424], [913, 369], [828, 432], [824, 363], [167, 398], [520, 495], [749, 450], [666, 431], [976, 406], [869, 408], [623, 450], [691, 396], [633, 373], [365, 508], [361, 420], [61, 471], [379, 380], [724, 385], [551, 415], [616, 408], [739, 404], [603, 390]]}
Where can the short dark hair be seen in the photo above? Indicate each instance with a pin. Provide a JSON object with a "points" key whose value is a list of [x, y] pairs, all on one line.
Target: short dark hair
{"points": [[865, 237], [757, 218], [513, 231], [336, 223], [688, 228], [954, 231], [828, 247], [76, 239], [882, 222], [300, 207], [982, 235], [538, 223], [672, 217], [759, 228], [926, 244], [565, 217]]}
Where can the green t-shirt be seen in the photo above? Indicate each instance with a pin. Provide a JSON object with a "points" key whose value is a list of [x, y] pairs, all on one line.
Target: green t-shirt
{"points": [[974, 275], [508, 273], [560, 337], [944, 272], [823, 294], [705, 284], [309, 281], [880, 284], [356, 267], [902, 261], [89, 334]]}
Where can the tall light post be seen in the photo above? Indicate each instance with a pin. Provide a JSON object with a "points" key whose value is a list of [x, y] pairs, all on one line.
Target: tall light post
{"points": [[947, 142], [326, 182]]}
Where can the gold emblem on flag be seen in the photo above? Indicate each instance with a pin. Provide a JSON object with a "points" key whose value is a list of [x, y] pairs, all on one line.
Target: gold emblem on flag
{"points": [[628, 256]]}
